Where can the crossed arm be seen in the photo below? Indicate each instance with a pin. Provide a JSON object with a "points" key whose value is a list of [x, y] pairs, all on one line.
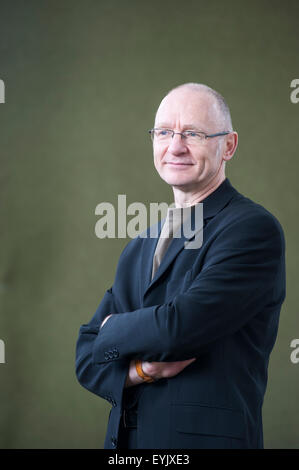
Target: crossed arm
{"points": [[157, 370]]}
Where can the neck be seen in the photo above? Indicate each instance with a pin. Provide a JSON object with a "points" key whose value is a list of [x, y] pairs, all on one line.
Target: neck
{"points": [[189, 198]]}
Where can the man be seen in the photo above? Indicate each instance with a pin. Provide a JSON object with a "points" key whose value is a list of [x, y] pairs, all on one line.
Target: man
{"points": [[180, 344]]}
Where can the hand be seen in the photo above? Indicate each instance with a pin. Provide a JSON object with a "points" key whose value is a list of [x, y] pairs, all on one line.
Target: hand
{"points": [[105, 319], [157, 370], [160, 370]]}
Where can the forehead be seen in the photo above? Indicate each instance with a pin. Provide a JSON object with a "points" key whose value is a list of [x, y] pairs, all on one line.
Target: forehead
{"points": [[182, 107]]}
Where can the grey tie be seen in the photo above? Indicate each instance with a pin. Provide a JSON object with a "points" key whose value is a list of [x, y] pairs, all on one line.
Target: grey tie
{"points": [[172, 222]]}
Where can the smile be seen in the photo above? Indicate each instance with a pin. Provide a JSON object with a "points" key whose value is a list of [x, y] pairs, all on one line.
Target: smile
{"points": [[178, 165]]}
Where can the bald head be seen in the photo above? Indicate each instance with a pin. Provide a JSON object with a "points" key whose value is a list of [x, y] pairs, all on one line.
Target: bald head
{"points": [[219, 109]]}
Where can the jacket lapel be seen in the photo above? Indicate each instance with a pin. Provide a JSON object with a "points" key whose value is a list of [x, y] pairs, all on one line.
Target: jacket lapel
{"points": [[215, 202]]}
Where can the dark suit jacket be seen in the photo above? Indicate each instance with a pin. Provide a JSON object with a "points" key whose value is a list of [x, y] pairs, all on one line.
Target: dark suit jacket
{"points": [[219, 303]]}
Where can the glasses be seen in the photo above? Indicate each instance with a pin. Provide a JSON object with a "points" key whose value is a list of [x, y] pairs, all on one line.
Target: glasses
{"points": [[190, 137]]}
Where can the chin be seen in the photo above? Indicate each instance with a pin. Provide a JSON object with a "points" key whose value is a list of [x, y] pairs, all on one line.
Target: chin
{"points": [[174, 180]]}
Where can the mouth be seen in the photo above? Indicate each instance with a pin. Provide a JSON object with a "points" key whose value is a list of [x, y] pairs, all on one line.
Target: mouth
{"points": [[179, 164]]}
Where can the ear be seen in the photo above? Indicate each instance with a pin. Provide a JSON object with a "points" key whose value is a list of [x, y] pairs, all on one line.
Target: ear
{"points": [[230, 145]]}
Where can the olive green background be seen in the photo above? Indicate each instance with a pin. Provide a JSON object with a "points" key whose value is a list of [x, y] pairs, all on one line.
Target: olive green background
{"points": [[83, 81]]}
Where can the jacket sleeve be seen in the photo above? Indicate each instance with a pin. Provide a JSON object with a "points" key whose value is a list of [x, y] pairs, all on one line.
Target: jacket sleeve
{"points": [[243, 275], [107, 379]]}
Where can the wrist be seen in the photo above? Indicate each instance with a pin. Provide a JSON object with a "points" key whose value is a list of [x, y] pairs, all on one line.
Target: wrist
{"points": [[133, 377], [141, 372], [134, 374]]}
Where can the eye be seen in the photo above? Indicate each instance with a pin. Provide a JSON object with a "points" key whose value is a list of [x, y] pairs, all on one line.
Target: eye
{"points": [[190, 134], [163, 132]]}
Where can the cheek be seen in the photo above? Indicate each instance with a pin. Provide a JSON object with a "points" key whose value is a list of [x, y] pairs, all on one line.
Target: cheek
{"points": [[207, 159], [156, 158], [158, 155], [157, 163], [201, 159]]}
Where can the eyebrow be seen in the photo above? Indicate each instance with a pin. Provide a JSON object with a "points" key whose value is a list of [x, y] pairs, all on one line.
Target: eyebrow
{"points": [[185, 127]]}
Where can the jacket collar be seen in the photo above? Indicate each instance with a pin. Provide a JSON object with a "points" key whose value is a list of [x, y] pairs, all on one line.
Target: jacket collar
{"points": [[218, 199]]}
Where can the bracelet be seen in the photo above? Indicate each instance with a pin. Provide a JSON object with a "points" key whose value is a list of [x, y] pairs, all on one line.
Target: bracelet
{"points": [[146, 378]]}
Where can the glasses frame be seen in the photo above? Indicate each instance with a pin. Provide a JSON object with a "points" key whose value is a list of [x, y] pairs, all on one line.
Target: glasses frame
{"points": [[206, 136]]}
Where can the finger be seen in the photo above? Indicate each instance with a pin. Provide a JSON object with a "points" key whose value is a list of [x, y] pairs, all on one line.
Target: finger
{"points": [[188, 361]]}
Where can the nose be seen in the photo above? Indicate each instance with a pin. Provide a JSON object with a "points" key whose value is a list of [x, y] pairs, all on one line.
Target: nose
{"points": [[177, 145]]}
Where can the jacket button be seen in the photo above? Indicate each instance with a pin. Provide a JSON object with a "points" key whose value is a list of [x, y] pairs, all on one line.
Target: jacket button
{"points": [[113, 442], [115, 353], [106, 355], [110, 354]]}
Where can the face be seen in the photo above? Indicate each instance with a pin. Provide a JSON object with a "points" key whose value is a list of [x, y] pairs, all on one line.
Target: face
{"points": [[182, 165]]}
